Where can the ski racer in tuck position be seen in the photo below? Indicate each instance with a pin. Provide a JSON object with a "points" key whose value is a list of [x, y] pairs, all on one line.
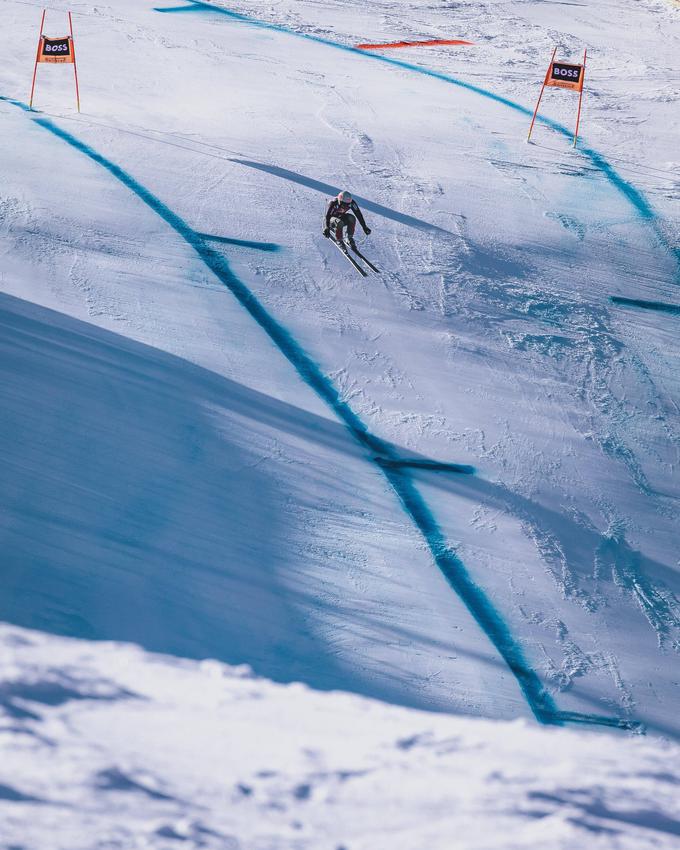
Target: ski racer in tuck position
{"points": [[342, 213]]}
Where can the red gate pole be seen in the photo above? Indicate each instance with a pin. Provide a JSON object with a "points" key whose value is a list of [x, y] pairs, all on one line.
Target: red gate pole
{"points": [[538, 102], [75, 67], [37, 56], [580, 97]]}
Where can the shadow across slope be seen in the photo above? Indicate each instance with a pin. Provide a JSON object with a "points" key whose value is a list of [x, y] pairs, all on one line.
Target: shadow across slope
{"points": [[136, 505]]}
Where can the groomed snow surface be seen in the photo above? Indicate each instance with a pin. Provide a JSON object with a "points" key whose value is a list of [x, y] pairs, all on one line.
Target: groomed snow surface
{"points": [[294, 559]]}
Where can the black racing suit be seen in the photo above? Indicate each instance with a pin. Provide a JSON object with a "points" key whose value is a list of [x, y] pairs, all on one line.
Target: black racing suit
{"points": [[339, 215]]}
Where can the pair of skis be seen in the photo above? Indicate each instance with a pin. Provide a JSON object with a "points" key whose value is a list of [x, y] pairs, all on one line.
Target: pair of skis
{"points": [[344, 250]]}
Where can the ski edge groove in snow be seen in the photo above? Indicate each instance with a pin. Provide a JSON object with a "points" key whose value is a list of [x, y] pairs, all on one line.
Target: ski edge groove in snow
{"points": [[415, 506]]}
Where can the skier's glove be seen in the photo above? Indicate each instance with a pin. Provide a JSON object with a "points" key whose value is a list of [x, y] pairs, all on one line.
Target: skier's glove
{"points": [[327, 232], [367, 231]]}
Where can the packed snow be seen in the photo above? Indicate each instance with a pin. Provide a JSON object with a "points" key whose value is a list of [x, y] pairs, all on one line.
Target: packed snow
{"points": [[238, 479]]}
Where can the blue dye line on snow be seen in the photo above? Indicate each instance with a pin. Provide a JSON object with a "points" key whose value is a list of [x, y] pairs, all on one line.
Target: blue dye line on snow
{"points": [[477, 602], [272, 247], [633, 195], [660, 306], [598, 720], [431, 465], [183, 9]]}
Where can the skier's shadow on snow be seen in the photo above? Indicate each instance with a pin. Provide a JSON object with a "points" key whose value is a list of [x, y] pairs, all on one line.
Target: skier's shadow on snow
{"points": [[328, 189]]}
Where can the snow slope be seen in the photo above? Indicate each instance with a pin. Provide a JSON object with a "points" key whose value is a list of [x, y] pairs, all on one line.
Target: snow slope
{"points": [[157, 752], [219, 442]]}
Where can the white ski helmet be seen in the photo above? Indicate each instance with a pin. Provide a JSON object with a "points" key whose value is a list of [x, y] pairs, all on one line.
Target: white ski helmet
{"points": [[345, 197]]}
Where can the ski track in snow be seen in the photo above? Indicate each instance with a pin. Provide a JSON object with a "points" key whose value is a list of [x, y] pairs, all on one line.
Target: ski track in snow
{"points": [[586, 343], [592, 347], [597, 350], [479, 605], [600, 163]]}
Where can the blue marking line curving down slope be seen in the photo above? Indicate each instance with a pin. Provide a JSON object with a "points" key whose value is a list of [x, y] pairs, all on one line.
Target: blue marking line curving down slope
{"points": [[416, 508]]}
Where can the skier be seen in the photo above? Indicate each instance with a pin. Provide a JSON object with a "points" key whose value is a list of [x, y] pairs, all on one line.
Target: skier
{"points": [[343, 212]]}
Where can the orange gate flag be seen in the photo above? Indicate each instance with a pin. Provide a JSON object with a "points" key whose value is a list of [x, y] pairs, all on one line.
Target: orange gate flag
{"points": [[56, 50], [563, 75]]}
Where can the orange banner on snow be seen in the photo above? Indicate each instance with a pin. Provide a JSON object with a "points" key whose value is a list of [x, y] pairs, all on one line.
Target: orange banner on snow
{"points": [[430, 43]]}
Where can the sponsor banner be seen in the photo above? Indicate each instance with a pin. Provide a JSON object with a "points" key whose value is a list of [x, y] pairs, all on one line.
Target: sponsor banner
{"points": [[565, 76], [55, 49]]}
